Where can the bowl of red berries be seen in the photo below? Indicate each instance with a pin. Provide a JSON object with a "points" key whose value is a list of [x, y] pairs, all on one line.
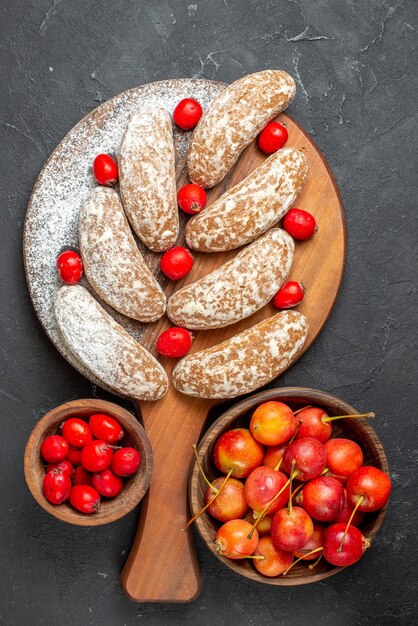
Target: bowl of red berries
{"points": [[88, 462], [289, 486]]}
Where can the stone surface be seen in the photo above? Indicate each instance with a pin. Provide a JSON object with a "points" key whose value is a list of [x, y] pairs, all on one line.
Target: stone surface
{"points": [[355, 65]]}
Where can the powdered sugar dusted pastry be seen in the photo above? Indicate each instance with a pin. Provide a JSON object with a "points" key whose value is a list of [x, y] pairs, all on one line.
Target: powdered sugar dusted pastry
{"points": [[105, 348], [147, 178], [250, 208], [113, 264], [244, 362], [234, 118], [238, 288]]}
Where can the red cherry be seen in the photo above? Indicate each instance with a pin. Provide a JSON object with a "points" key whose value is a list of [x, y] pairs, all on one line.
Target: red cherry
{"points": [[176, 263], [74, 456], [174, 342], [291, 530], [105, 170], [311, 424], [322, 498], [105, 427], [275, 561], [346, 512], [191, 198], [107, 483], [272, 137], [187, 113], [308, 456], [237, 450], [314, 542], [56, 487], [54, 449], [262, 485], [230, 503], [343, 456], [355, 543], [368, 488], [70, 267], [85, 498], [233, 539], [126, 461], [96, 456], [299, 224], [290, 294], [76, 432], [65, 467], [82, 476]]}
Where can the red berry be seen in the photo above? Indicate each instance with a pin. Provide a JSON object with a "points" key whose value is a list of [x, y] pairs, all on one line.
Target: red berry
{"points": [[369, 485], [56, 487], [105, 170], [96, 456], [174, 342], [82, 476], [126, 461], [65, 467], [187, 113], [107, 483], [54, 449], [272, 137], [70, 267], [352, 549], [105, 427], [85, 498], [290, 294], [300, 224], [74, 456], [176, 263], [76, 432], [191, 198]]}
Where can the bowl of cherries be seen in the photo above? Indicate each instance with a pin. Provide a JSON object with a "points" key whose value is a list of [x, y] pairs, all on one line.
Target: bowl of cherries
{"points": [[88, 462], [289, 486]]}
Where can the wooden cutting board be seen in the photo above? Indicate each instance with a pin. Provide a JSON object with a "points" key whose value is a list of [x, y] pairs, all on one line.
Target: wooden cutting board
{"points": [[162, 566]]}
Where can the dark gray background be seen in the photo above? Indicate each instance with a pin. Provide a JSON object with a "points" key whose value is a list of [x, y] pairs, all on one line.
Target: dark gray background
{"points": [[355, 63]]}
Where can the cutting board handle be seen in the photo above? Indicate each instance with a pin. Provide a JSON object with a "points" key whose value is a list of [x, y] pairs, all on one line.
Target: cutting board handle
{"points": [[163, 565]]}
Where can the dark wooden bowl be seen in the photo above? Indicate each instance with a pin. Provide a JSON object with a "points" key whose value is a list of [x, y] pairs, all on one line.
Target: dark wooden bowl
{"points": [[134, 488], [239, 416]]}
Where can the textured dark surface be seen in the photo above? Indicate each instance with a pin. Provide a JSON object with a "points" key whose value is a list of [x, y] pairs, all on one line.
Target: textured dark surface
{"points": [[355, 64]]}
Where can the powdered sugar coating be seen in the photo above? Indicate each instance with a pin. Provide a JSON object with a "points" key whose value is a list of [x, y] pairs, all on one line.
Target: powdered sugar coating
{"points": [[233, 120], [65, 182], [244, 362], [238, 288], [250, 208], [148, 179], [105, 348], [112, 261]]}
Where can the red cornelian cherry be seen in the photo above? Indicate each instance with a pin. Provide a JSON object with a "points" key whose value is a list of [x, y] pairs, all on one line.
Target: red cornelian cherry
{"points": [[191, 198], [187, 113], [126, 461], [353, 548], [272, 137], [65, 467], [107, 483], [176, 263], [56, 487], [289, 295], [96, 456], [232, 539], [54, 449], [74, 456], [174, 342], [105, 427], [70, 267], [105, 170], [77, 432], [85, 498], [299, 224], [82, 476]]}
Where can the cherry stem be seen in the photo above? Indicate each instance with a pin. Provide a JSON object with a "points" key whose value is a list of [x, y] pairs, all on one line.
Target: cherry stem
{"points": [[268, 505], [199, 465], [295, 433], [296, 491], [359, 501], [340, 417], [324, 471], [302, 409], [292, 471], [210, 501], [302, 558], [256, 557], [313, 565], [278, 466]]}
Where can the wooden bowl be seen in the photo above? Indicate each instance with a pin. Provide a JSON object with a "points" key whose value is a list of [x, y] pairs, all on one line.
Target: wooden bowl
{"points": [[239, 416], [135, 486]]}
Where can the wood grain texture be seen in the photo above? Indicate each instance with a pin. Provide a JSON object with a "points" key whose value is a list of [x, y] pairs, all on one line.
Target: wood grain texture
{"points": [[239, 416], [134, 487], [163, 565]]}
